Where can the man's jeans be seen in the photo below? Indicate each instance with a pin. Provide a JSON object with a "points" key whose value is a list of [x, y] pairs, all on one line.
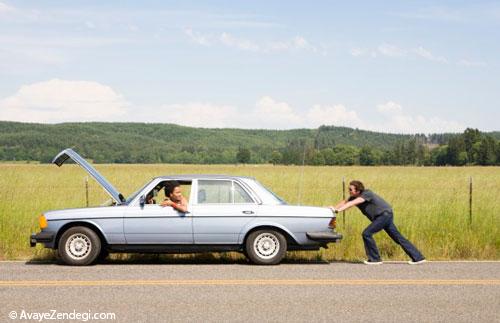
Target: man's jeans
{"points": [[385, 222]]}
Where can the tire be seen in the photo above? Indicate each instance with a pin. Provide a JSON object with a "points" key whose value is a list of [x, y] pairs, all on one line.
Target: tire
{"points": [[265, 247], [79, 246]]}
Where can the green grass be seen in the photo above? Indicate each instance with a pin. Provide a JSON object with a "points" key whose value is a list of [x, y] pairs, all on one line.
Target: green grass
{"points": [[430, 204]]}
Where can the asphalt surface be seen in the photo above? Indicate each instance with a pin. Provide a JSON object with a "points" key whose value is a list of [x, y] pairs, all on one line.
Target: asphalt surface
{"points": [[293, 292]]}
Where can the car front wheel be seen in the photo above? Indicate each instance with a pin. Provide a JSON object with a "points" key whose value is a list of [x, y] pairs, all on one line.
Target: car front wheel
{"points": [[79, 246], [266, 247]]}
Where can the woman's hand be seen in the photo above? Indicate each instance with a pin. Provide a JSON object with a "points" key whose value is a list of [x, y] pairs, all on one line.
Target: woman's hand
{"points": [[167, 202]]}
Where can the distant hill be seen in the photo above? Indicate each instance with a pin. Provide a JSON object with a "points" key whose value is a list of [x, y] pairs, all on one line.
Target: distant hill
{"points": [[169, 143], [136, 142]]}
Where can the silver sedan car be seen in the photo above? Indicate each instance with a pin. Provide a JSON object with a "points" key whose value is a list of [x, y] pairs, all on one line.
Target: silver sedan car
{"points": [[224, 213]]}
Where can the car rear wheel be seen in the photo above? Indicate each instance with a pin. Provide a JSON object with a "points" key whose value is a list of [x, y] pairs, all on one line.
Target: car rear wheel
{"points": [[79, 246], [265, 247]]}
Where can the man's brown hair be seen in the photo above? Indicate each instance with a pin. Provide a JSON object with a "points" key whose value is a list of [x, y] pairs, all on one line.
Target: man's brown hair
{"points": [[357, 185]]}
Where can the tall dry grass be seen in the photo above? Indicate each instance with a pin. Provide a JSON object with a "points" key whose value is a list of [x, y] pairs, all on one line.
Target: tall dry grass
{"points": [[430, 204]]}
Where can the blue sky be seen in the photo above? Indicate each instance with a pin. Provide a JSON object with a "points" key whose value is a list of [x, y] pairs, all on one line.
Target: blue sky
{"points": [[392, 66]]}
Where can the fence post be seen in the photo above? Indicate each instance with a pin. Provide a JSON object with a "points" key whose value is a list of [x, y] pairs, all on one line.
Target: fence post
{"points": [[343, 198], [87, 190], [470, 200]]}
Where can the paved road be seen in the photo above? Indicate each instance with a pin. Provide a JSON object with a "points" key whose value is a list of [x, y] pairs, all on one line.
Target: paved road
{"points": [[393, 292]]}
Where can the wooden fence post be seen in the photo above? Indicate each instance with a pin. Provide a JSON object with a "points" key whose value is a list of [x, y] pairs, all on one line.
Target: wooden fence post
{"points": [[343, 198], [87, 190]]}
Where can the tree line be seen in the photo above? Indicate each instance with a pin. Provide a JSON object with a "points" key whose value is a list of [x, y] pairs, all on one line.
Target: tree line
{"points": [[469, 148], [168, 143]]}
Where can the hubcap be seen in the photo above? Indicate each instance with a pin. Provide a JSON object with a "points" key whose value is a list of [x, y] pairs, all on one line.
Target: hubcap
{"points": [[266, 245], [78, 246]]}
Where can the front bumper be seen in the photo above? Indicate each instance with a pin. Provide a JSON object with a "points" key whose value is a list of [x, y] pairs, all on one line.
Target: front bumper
{"points": [[41, 237], [324, 236]]}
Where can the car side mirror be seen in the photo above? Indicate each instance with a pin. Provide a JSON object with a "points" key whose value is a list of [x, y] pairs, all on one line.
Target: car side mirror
{"points": [[142, 200]]}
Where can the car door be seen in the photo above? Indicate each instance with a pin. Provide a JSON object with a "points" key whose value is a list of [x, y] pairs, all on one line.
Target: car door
{"points": [[220, 211], [155, 224]]}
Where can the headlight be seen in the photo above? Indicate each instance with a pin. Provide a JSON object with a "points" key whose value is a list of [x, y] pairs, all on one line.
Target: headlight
{"points": [[42, 221]]}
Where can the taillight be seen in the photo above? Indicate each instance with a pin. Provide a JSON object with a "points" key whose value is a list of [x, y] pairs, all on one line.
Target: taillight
{"points": [[42, 221], [333, 223]]}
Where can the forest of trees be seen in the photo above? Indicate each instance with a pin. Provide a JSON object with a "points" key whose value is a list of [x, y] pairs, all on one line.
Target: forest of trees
{"points": [[168, 143], [469, 148]]}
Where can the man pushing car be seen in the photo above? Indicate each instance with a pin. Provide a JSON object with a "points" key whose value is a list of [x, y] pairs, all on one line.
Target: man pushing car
{"points": [[380, 213]]}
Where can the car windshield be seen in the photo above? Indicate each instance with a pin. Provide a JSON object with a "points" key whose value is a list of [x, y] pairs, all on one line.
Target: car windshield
{"points": [[134, 195]]}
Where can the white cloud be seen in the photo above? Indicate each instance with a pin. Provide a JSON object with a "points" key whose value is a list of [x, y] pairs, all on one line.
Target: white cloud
{"points": [[5, 8], [420, 124], [391, 50], [422, 52], [57, 101], [198, 114], [395, 120], [298, 43], [356, 52], [337, 115], [360, 52], [243, 44], [267, 113], [197, 37], [270, 113], [389, 108], [62, 101]]}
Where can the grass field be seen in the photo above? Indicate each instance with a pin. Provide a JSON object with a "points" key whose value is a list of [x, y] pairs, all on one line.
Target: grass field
{"points": [[430, 204]]}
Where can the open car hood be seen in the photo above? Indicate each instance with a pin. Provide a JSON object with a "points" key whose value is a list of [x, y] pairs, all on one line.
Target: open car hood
{"points": [[110, 189]]}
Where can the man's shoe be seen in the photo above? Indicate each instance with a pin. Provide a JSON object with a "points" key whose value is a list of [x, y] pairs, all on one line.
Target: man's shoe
{"points": [[411, 262], [368, 262]]}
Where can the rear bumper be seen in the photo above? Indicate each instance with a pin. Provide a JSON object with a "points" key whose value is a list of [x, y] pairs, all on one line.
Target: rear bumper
{"points": [[324, 236], [41, 237]]}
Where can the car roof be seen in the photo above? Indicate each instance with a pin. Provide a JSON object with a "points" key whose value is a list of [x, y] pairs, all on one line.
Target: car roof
{"points": [[188, 177]]}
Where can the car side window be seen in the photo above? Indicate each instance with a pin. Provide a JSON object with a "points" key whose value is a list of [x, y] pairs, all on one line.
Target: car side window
{"points": [[240, 195], [157, 194], [214, 192], [221, 192]]}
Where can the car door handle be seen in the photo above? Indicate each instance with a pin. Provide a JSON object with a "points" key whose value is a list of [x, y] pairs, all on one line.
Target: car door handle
{"points": [[248, 212]]}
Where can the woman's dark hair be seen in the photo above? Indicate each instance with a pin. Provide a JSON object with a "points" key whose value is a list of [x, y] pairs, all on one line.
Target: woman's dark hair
{"points": [[357, 185], [170, 186]]}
